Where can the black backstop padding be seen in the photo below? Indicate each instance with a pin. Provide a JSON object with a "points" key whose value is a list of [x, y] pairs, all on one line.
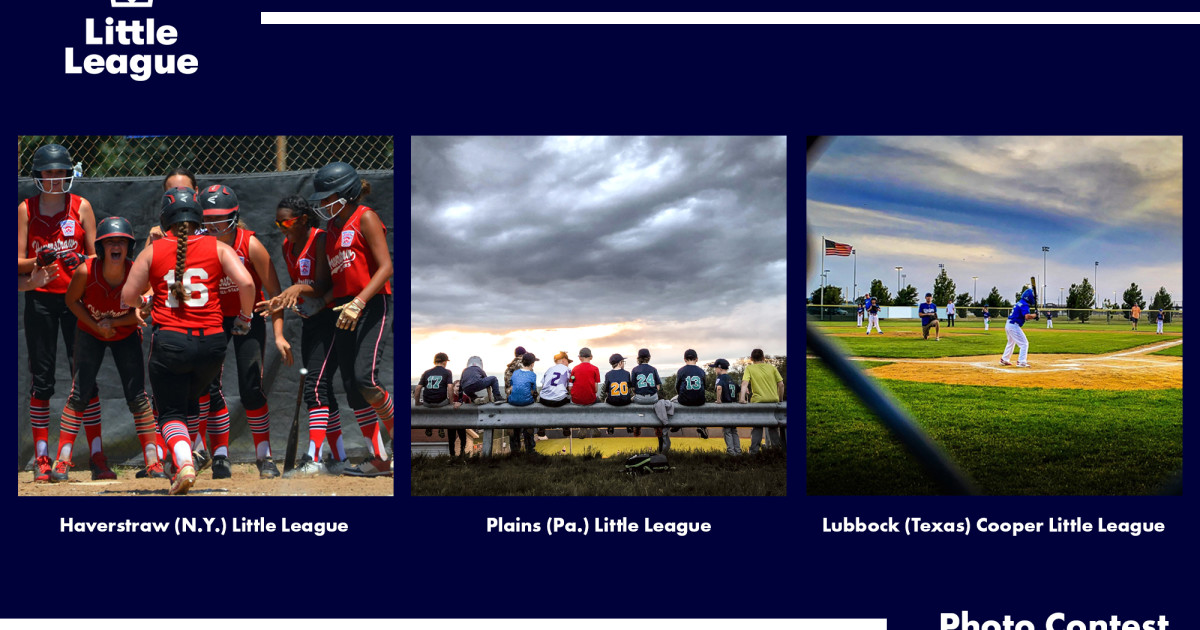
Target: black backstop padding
{"points": [[138, 200]]}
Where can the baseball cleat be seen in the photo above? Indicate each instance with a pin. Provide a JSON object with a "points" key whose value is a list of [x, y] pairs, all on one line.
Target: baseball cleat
{"points": [[1023, 365], [59, 473], [202, 460], [100, 469], [335, 467], [306, 467], [370, 468], [267, 469], [1003, 362], [41, 468], [154, 470], [183, 480], [221, 467]]}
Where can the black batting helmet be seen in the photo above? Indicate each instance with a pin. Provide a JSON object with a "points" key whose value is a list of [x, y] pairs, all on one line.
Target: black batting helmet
{"points": [[336, 178], [115, 227], [49, 158], [179, 205]]}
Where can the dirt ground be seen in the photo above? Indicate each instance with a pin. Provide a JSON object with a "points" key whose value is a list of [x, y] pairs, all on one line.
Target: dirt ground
{"points": [[244, 483], [1124, 370]]}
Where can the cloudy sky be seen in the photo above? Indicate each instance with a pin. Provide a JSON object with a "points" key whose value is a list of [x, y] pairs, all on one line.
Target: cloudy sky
{"points": [[617, 243], [985, 206]]}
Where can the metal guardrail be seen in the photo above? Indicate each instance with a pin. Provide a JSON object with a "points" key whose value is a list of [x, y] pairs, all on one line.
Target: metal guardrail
{"points": [[491, 417]]}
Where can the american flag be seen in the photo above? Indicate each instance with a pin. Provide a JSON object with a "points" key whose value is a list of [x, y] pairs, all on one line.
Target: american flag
{"points": [[836, 249]]}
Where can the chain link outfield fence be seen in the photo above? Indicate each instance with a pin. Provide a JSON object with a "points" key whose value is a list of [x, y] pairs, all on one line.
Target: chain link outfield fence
{"points": [[1089, 316], [131, 187], [135, 156]]}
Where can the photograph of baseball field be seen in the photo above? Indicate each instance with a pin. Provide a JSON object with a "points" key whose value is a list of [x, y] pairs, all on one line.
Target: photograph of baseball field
{"points": [[1019, 303]]}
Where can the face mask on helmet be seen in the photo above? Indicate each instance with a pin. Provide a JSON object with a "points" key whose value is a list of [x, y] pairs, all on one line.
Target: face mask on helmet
{"points": [[220, 223], [53, 185], [329, 210]]}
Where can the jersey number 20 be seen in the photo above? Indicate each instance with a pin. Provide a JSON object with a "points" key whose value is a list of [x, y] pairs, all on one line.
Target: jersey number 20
{"points": [[198, 291]]}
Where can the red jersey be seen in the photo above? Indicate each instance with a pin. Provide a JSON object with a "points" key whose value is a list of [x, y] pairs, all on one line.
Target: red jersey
{"points": [[584, 379], [351, 264], [231, 304], [63, 232], [103, 301], [202, 278], [300, 268]]}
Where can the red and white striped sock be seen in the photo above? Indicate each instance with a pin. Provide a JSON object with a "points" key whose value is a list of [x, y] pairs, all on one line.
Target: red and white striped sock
{"points": [[260, 429], [143, 423], [69, 428], [368, 423], [218, 431], [180, 446], [91, 425], [202, 424], [39, 422], [384, 410], [318, 424], [333, 436]]}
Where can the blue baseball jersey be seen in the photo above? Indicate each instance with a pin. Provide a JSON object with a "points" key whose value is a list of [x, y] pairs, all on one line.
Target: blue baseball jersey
{"points": [[860, 309], [928, 312], [1160, 315], [987, 315], [524, 385], [689, 384], [1018, 313]]}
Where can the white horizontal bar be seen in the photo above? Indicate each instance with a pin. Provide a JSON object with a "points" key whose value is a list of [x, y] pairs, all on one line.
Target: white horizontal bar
{"points": [[722, 18]]}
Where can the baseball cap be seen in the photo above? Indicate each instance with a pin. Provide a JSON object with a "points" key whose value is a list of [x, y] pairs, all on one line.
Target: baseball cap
{"points": [[720, 363], [528, 358], [689, 354], [585, 352], [928, 295], [562, 355], [520, 351], [644, 353], [614, 359], [439, 357]]}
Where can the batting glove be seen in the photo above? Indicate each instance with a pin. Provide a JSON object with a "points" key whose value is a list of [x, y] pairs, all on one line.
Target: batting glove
{"points": [[46, 256], [69, 260], [349, 313], [241, 325]]}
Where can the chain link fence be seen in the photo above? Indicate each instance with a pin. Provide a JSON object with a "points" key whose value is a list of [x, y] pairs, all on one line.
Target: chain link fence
{"points": [[139, 156]]}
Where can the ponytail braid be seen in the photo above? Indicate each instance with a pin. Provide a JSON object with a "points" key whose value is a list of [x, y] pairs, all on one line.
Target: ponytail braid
{"points": [[181, 232]]}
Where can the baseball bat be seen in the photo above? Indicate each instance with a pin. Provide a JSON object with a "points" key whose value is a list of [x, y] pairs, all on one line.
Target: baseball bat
{"points": [[289, 460], [1033, 285]]}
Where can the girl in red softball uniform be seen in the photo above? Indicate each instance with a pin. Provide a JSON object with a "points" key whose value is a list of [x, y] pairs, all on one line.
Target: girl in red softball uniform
{"points": [[187, 346], [308, 267], [54, 228], [221, 209], [360, 266], [106, 323]]}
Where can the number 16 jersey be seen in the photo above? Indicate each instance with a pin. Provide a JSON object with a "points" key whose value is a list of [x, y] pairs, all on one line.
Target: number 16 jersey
{"points": [[202, 275]]}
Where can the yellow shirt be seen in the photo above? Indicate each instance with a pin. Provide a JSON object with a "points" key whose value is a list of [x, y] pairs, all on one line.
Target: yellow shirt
{"points": [[763, 377]]}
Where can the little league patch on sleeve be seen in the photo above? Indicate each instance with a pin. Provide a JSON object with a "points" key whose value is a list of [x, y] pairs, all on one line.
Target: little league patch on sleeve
{"points": [[347, 237], [305, 266], [68, 227]]}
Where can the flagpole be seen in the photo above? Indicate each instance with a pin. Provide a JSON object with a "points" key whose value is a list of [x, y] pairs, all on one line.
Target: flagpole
{"points": [[822, 277], [855, 253]]}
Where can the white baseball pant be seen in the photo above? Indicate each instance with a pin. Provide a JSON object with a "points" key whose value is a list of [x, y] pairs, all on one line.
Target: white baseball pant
{"points": [[874, 321], [1049, 323], [986, 321], [859, 321], [1016, 337], [1160, 326]]}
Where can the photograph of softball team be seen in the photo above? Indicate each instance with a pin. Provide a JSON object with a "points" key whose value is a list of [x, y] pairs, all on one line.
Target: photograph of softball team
{"points": [[201, 280]]}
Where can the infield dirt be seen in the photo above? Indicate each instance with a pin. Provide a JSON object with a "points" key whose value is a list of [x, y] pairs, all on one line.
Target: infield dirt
{"points": [[244, 483]]}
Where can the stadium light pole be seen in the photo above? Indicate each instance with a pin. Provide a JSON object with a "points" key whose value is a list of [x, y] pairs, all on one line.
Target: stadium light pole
{"points": [[1060, 295], [854, 253], [1045, 248], [898, 279], [975, 293], [1096, 282]]}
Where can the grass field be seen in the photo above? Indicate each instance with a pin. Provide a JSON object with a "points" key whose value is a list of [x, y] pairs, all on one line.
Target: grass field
{"points": [[1010, 440], [973, 340], [695, 473], [1173, 351]]}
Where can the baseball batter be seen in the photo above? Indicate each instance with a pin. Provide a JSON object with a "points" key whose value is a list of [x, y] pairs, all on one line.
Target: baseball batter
{"points": [[1016, 336]]}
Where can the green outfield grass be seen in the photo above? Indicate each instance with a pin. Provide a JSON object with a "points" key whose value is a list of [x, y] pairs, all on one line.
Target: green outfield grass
{"points": [[970, 341], [1011, 441], [1115, 325], [1173, 351]]}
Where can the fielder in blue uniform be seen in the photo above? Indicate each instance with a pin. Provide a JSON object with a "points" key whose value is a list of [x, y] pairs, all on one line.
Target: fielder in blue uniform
{"points": [[860, 316], [1160, 321], [928, 313], [1016, 336], [872, 308]]}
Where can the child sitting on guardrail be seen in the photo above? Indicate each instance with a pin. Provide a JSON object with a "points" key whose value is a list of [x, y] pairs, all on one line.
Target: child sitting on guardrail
{"points": [[524, 393], [433, 389], [726, 391], [689, 386], [476, 383], [554, 384]]}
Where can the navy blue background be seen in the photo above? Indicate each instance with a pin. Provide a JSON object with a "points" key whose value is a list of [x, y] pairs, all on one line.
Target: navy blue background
{"points": [[766, 557]]}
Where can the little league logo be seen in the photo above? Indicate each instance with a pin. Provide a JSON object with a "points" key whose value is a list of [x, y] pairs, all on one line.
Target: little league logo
{"points": [[347, 237], [305, 266], [68, 227]]}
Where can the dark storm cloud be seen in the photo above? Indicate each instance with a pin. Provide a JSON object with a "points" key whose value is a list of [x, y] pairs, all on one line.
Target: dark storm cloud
{"points": [[515, 232]]}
